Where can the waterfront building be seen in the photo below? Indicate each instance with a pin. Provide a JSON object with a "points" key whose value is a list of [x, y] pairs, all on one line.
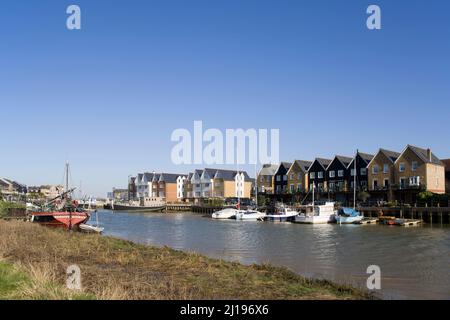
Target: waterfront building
{"points": [[418, 169], [281, 178], [336, 175], [316, 174], [266, 177], [297, 176], [381, 175], [362, 161]]}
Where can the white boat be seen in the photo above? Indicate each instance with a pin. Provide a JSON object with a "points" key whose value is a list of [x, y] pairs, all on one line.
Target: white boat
{"points": [[283, 215], [89, 228], [250, 215], [319, 214], [227, 213]]}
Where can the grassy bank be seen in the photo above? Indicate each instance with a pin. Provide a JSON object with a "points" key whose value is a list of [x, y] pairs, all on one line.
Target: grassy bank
{"points": [[33, 262]]}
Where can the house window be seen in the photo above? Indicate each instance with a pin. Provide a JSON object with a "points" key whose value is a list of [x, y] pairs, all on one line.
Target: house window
{"points": [[332, 174], [292, 176], [352, 172], [401, 167], [375, 169], [332, 186], [197, 185], [375, 184], [320, 174], [363, 171], [340, 173], [278, 189], [386, 183], [414, 166], [299, 187], [385, 168], [292, 187], [285, 178], [364, 184], [262, 179], [352, 184], [278, 178], [312, 175], [299, 176], [402, 183], [414, 181], [206, 185]]}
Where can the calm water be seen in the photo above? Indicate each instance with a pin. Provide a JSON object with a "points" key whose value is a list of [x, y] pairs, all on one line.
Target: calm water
{"points": [[414, 261]]}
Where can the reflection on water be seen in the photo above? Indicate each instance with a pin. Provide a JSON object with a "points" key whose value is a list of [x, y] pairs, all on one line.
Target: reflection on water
{"points": [[414, 262]]}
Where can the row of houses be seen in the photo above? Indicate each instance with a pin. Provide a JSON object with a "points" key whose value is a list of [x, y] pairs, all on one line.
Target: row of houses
{"points": [[201, 183], [10, 187], [387, 175]]}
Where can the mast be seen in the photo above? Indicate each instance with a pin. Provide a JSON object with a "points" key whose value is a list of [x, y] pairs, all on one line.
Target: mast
{"points": [[256, 186], [354, 180], [314, 186], [66, 176]]}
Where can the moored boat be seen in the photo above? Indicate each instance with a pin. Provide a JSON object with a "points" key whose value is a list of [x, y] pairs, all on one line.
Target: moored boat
{"points": [[283, 214], [348, 215], [227, 213], [250, 215], [317, 214]]}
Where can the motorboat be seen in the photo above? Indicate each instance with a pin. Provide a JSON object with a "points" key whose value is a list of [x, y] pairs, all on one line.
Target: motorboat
{"points": [[250, 215], [317, 214], [227, 213], [283, 214]]}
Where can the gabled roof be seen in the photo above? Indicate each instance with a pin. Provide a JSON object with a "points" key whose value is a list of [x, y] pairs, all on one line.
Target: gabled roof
{"points": [[268, 170], [391, 155], [345, 161], [423, 154], [322, 161], [229, 175], [365, 156], [286, 165], [303, 164], [169, 177]]}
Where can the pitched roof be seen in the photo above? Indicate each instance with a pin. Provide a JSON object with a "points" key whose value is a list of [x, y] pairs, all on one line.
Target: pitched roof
{"points": [[366, 156], [229, 175], [423, 154], [344, 160], [169, 177], [392, 155], [268, 169], [322, 161], [304, 164]]}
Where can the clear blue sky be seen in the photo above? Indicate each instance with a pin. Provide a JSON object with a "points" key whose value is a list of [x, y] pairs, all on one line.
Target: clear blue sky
{"points": [[107, 97]]}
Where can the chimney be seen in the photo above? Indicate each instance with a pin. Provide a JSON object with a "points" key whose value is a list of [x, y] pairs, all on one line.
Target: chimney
{"points": [[429, 154]]}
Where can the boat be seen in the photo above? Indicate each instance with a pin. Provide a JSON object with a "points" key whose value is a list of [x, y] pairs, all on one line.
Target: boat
{"points": [[348, 215], [283, 214], [317, 214], [131, 207], [90, 229], [227, 213], [61, 211], [250, 215]]}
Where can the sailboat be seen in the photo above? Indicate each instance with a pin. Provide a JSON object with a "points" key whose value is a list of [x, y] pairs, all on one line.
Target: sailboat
{"points": [[350, 215], [61, 211]]}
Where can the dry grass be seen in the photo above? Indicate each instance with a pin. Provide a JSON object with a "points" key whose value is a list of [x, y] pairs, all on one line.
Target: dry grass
{"points": [[117, 269]]}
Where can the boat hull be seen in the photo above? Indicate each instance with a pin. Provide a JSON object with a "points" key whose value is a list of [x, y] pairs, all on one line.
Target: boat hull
{"points": [[249, 216], [65, 220], [224, 214], [314, 219], [348, 220], [121, 207]]}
